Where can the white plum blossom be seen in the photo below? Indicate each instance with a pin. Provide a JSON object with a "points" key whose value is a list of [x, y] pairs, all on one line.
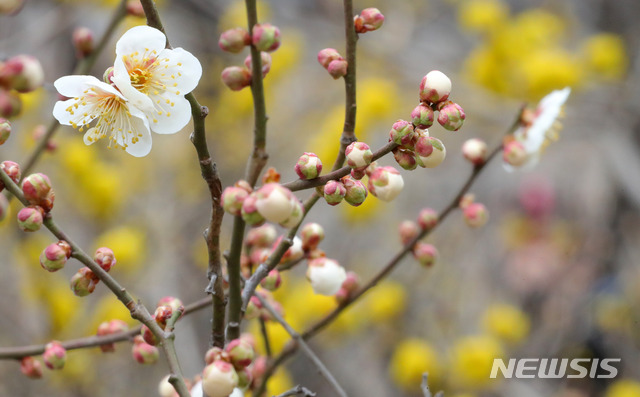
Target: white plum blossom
{"points": [[155, 79], [540, 127], [124, 125], [326, 276]]}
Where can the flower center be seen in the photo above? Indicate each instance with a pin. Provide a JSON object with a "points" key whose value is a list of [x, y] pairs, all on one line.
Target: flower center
{"points": [[140, 78]]}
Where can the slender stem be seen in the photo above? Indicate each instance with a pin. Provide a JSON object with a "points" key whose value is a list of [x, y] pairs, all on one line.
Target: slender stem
{"points": [[298, 391], [235, 283], [265, 337], [305, 348]]}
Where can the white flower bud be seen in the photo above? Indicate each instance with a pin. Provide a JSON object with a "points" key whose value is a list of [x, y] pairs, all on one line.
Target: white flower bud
{"points": [[326, 276]]}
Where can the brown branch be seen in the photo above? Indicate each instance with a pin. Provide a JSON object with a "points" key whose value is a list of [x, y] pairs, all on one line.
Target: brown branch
{"points": [[298, 391]]}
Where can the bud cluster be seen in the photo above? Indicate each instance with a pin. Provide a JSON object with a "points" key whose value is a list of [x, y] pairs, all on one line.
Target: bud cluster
{"points": [[230, 367], [84, 282], [37, 190], [165, 310], [18, 74], [333, 62], [143, 352], [475, 214], [109, 328]]}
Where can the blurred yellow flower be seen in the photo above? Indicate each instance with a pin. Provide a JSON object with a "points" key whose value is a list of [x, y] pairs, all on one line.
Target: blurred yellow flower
{"points": [[278, 336], [482, 16], [539, 79], [301, 305], [624, 388], [385, 302], [279, 383], [128, 243], [412, 358], [471, 361], [506, 322], [614, 314], [108, 308], [605, 54]]}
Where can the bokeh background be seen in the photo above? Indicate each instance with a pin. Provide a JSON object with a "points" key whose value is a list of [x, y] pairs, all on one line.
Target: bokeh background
{"points": [[553, 274]]}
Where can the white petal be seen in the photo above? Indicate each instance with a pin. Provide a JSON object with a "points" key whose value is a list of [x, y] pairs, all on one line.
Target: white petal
{"points": [[140, 38], [173, 118], [73, 86], [141, 128], [187, 69], [122, 80], [91, 136]]}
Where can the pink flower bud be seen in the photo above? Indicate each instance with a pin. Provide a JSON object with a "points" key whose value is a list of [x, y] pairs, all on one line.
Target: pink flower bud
{"points": [[236, 77], [31, 368], [425, 253], [514, 153], [326, 276], [36, 187], [109, 328], [405, 158], [234, 40], [22, 73], [327, 55], [215, 354], [371, 19], [294, 252], [53, 258], [475, 150], [358, 173], [254, 308], [12, 169], [275, 202], [272, 281], [259, 367], [261, 237], [451, 116], [352, 282], [30, 218], [148, 336], [162, 315], [4, 207], [10, 7], [358, 155], [83, 282], [408, 230], [435, 87], [475, 214], [242, 184], [401, 132], [219, 379], [245, 378], [107, 76], [171, 301], [135, 9], [334, 192], [338, 68], [265, 61], [356, 192], [427, 218], [10, 104], [143, 352], [311, 235], [232, 199], [266, 37], [54, 356], [250, 213], [437, 155], [105, 258], [308, 166], [296, 214], [47, 202], [385, 183], [5, 130], [82, 39], [422, 116], [38, 133], [467, 199], [241, 352]]}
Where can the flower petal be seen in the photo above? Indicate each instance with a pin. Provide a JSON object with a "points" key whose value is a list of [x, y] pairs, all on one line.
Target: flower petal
{"points": [[122, 80], [73, 86], [143, 146], [185, 67], [140, 38], [174, 114]]}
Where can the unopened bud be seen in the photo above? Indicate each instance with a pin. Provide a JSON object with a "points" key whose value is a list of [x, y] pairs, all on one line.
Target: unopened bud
{"points": [[261, 237], [514, 154], [83, 41], [327, 55], [435, 87], [451, 116], [236, 77], [143, 352], [275, 202], [12, 170], [405, 158], [171, 301], [53, 258], [109, 328], [232, 199], [476, 214], [162, 315], [272, 281], [30, 218], [271, 175], [338, 68], [36, 187], [385, 183], [294, 252], [5, 130], [10, 104], [22, 73], [358, 173], [54, 356], [234, 40], [219, 379], [427, 218], [425, 253], [266, 37], [422, 116], [31, 368], [437, 155], [83, 282], [311, 235], [475, 150], [401, 132], [296, 214], [308, 166], [358, 155], [370, 19], [107, 76], [250, 213], [245, 378], [356, 192], [467, 199], [334, 192], [408, 230], [214, 354], [241, 352], [265, 62], [326, 276]]}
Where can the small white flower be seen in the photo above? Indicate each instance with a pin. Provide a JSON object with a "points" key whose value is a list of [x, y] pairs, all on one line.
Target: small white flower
{"points": [[326, 276], [541, 126], [155, 79], [124, 125]]}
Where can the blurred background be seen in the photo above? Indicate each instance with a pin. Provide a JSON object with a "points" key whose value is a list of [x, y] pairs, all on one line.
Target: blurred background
{"points": [[553, 273]]}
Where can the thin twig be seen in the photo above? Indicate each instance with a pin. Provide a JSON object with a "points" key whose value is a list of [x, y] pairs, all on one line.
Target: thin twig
{"points": [[424, 386], [305, 348], [298, 391], [265, 337]]}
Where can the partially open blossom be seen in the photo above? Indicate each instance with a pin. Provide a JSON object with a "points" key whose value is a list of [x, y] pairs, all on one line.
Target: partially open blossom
{"points": [[240, 352], [401, 132], [250, 213], [31, 368], [437, 155], [308, 166], [5, 130], [326, 276], [36, 187], [435, 87], [425, 253], [219, 379], [338, 68], [370, 19], [109, 328], [427, 218], [385, 183], [105, 258], [422, 116], [155, 79], [408, 230], [12, 169], [475, 214], [234, 40], [30, 218], [55, 355], [272, 281], [514, 153], [22, 73], [293, 253], [451, 116], [10, 7], [143, 352], [356, 191], [275, 202], [475, 150], [266, 37], [262, 236], [236, 77], [162, 314], [311, 235], [358, 155], [265, 62], [327, 55], [82, 39], [10, 104], [232, 199], [83, 282], [53, 258], [405, 158]]}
